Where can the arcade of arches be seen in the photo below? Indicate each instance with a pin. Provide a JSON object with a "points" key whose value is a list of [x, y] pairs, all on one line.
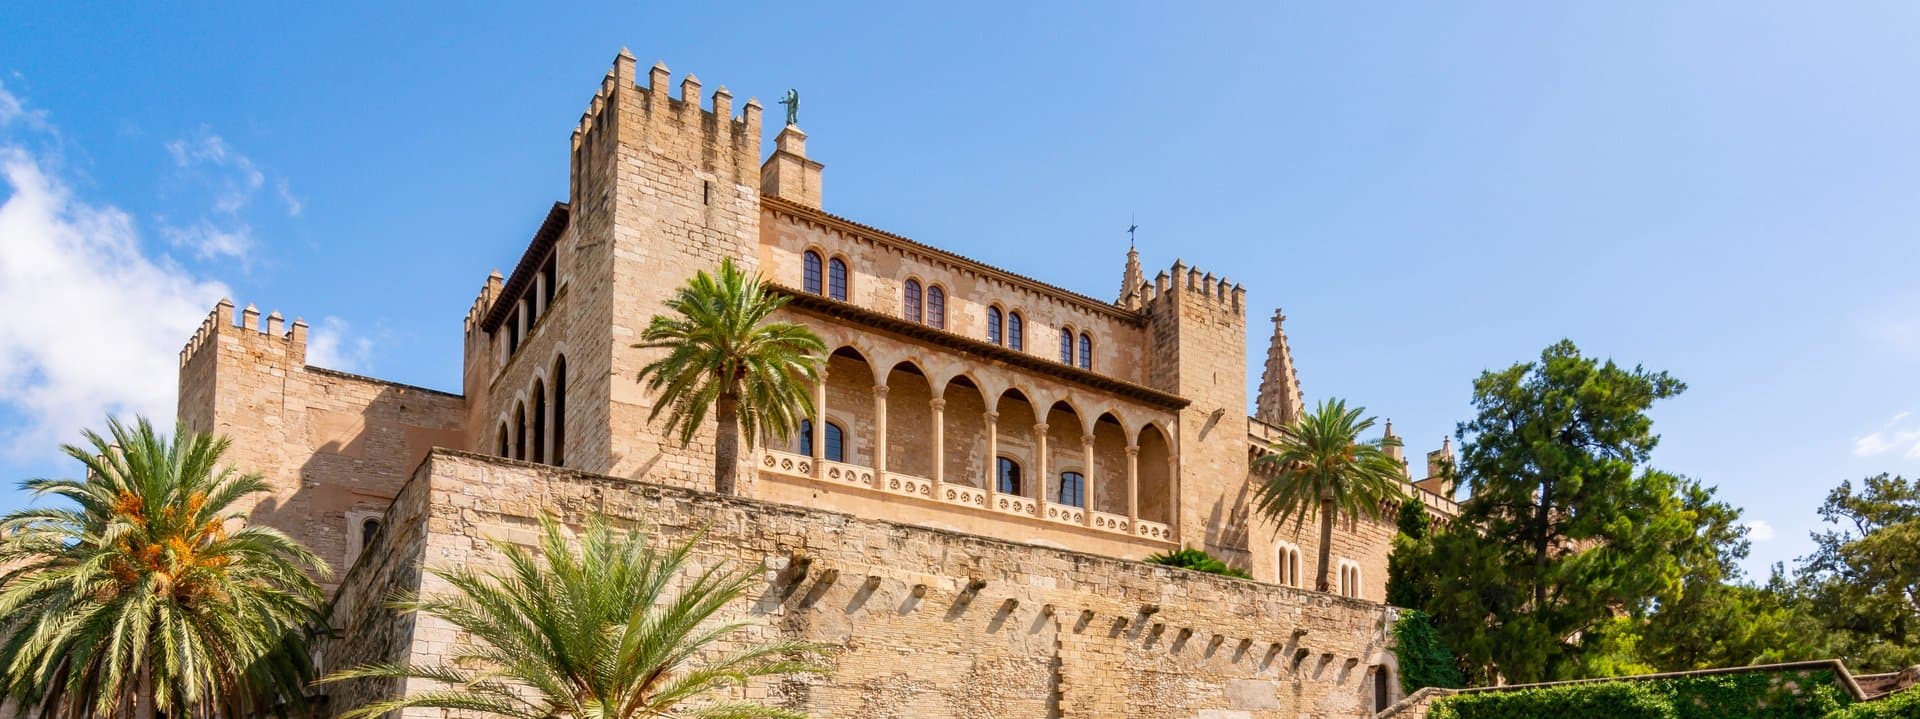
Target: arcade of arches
{"points": [[1011, 449]]}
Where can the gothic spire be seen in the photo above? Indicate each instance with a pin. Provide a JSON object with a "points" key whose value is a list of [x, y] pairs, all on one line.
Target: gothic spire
{"points": [[1131, 281], [1279, 400]]}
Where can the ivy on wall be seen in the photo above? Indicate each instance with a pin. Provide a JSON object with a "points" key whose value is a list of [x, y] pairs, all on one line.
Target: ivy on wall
{"points": [[1424, 659]]}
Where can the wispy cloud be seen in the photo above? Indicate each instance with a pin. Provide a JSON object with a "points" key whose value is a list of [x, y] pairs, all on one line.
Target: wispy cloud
{"points": [[233, 182], [1900, 434], [332, 344], [1759, 531], [100, 321]]}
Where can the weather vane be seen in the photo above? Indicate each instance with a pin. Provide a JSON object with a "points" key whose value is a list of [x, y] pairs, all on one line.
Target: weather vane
{"points": [[792, 101], [1131, 228]]}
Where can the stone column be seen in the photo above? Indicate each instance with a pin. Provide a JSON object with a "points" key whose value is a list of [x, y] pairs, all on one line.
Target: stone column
{"points": [[879, 431], [1039, 492], [939, 405], [993, 456], [1087, 481], [820, 422], [1133, 485]]}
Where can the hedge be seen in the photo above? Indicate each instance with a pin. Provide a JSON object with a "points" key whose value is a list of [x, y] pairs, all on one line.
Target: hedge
{"points": [[1905, 705], [1424, 659], [1795, 695]]}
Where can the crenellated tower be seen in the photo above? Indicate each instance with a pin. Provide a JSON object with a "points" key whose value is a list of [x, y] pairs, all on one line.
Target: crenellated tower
{"points": [[1197, 327], [660, 187]]}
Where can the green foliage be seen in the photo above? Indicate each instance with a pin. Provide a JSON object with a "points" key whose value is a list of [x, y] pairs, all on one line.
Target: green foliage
{"points": [[1409, 584], [724, 353], [1795, 695], [611, 629], [1905, 705], [1424, 659], [1864, 578], [1553, 460], [151, 588], [1197, 560], [1320, 467]]}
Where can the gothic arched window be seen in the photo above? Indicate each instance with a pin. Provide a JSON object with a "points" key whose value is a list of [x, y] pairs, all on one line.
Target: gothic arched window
{"points": [[539, 432], [936, 307], [910, 302], [1073, 489], [811, 272], [1007, 476], [993, 325], [1016, 332], [837, 279], [1066, 345], [1086, 351]]}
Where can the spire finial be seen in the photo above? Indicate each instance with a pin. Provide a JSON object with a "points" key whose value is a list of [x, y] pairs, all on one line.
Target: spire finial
{"points": [[1132, 227]]}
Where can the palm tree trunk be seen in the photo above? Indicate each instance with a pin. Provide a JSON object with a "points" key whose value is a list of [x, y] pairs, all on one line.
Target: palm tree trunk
{"points": [[1326, 541], [726, 444]]}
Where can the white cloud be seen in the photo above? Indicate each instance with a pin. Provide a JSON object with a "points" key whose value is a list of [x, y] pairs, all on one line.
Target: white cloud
{"points": [[96, 323], [1900, 434], [1759, 530], [208, 240], [331, 344], [233, 181], [294, 205]]}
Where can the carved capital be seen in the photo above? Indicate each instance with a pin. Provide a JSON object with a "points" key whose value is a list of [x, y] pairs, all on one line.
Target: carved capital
{"points": [[939, 404], [880, 390], [1133, 450], [1040, 428]]}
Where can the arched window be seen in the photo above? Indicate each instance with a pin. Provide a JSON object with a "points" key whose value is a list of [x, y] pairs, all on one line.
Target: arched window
{"points": [[910, 303], [1066, 345], [836, 443], [506, 440], [369, 530], [1073, 489], [937, 307], [810, 274], [1007, 476], [1016, 332], [560, 412], [520, 431], [837, 279], [539, 437], [1288, 565], [993, 325], [1086, 351]]}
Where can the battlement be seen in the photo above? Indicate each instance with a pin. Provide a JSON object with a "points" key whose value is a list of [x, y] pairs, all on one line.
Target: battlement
{"points": [[1195, 285], [648, 114], [483, 304], [221, 320]]}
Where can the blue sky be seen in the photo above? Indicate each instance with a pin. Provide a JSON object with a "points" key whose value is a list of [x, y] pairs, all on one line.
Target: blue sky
{"points": [[1722, 190]]}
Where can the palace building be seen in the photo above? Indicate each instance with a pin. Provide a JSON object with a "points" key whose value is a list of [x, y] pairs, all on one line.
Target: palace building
{"points": [[998, 449]]}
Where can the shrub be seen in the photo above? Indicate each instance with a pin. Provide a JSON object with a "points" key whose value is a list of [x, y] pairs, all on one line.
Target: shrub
{"points": [[1197, 560], [1905, 705], [1424, 660], [1777, 695]]}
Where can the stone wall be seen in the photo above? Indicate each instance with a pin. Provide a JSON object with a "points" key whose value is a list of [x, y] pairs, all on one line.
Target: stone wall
{"points": [[333, 447], [927, 623]]}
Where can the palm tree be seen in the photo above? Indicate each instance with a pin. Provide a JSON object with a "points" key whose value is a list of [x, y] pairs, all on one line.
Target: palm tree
{"points": [[1321, 467], [723, 353], [615, 630], [151, 595]]}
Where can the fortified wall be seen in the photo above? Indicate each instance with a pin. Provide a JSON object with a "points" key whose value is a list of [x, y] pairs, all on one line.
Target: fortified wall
{"points": [[926, 623]]}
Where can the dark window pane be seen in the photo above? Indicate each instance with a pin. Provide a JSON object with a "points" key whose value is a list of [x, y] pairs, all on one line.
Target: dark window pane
{"points": [[1016, 334], [1009, 477], [1072, 489], [1086, 351], [1066, 345], [993, 325], [812, 272], [910, 304], [836, 447], [837, 279], [937, 307]]}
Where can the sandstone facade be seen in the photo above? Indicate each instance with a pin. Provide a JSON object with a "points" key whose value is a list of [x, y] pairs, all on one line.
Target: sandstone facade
{"points": [[960, 398]]}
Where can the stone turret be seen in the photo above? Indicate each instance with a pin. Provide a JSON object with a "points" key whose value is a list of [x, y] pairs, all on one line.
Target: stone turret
{"points": [[1279, 401], [1132, 282]]}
